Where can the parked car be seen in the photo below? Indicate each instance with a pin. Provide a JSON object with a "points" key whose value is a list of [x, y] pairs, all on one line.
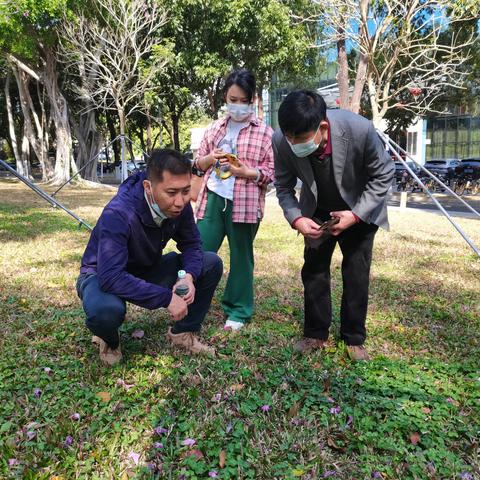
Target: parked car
{"points": [[134, 166], [469, 167], [107, 167], [445, 167]]}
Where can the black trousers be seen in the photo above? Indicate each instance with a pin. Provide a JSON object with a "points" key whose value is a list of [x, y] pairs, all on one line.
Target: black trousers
{"points": [[356, 244]]}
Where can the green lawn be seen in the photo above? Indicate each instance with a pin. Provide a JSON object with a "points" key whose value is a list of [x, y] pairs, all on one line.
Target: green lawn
{"points": [[259, 411]]}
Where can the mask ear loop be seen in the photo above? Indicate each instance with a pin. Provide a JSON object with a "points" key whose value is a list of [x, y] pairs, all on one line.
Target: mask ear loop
{"points": [[150, 194]]}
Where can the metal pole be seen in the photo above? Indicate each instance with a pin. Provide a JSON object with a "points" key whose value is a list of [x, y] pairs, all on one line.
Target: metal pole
{"points": [[437, 203], [86, 165], [388, 140], [44, 195]]}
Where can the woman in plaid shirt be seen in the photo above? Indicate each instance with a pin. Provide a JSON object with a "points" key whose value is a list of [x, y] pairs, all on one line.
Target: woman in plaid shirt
{"points": [[233, 207]]}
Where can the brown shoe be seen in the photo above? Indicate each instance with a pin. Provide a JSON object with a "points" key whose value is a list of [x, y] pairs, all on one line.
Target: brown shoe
{"points": [[307, 344], [189, 342], [108, 356], [358, 353]]}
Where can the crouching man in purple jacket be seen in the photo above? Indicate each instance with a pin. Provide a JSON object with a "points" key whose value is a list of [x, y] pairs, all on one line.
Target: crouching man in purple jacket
{"points": [[124, 260]]}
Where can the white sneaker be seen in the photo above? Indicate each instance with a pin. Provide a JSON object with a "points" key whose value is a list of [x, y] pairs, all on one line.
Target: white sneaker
{"points": [[233, 325]]}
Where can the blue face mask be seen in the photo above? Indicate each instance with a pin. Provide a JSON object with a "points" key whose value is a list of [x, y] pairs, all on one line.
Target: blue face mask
{"points": [[305, 149], [157, 215], [239, 111]]}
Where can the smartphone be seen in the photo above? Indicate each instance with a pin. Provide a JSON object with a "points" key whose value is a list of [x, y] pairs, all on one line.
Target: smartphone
{"points": [[326, 225]]}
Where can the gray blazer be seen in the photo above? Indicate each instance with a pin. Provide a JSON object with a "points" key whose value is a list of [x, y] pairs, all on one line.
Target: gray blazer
{"points": [[363, 171]]}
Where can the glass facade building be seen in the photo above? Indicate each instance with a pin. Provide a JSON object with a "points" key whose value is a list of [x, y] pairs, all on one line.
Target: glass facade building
{"points": [[453, 136]]}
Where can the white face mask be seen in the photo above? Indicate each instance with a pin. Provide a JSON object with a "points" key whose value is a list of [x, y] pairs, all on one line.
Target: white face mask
{"points": [[305, 149], [239, 111], [157, 215]]}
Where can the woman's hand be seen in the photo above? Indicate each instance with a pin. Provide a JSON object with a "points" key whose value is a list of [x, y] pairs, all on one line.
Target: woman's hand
{"points": [[211, 159], [241, 170]]}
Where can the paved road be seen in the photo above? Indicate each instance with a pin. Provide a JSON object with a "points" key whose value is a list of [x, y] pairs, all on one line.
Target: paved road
{"points": [[449, 202]]}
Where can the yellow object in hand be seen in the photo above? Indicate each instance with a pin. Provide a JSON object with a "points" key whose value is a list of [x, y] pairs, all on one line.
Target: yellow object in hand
{"points": [[224, 174]]}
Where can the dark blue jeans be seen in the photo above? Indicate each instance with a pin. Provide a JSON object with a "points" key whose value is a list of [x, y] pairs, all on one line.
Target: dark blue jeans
{"points": [[106, 312]]}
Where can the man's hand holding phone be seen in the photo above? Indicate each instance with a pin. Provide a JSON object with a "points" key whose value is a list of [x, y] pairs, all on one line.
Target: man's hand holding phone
{"points": [[308, 228]]}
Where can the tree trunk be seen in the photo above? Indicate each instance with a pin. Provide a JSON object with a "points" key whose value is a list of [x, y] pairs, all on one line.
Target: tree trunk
{"points": [[261, 112], [59, 112], [89, 141], [25, 152], [121, 117], [113, 135], [23, 165], [360, 80], [149, 133], [372, 94], [35, 133], [342, 75], [362, 67], [169, 131], [176, 133], [129, 145]]}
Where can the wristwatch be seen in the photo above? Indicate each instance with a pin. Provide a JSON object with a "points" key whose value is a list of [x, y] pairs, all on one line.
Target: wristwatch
{"points": [[196, 170]]}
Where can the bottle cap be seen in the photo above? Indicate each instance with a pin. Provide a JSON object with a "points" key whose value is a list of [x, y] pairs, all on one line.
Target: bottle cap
{"points": [[182, 274]]}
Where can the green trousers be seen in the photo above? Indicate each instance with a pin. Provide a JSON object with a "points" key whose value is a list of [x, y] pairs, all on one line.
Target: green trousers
{"points": [[237, 301]]}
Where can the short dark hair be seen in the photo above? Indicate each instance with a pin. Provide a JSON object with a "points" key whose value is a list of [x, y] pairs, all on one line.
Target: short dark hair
{"points": [[166, 159], [301, 112], [244, 79]]}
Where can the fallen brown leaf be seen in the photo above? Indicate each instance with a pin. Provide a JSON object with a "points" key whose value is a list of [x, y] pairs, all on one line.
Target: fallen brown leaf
{"points": [[332, 443], [192, 453], [104, 396], [236, 387], [294, 409], [222, 458]]}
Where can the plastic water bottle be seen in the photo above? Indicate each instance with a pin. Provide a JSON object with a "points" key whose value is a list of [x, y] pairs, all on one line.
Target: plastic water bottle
{"points": [[182, 288]]}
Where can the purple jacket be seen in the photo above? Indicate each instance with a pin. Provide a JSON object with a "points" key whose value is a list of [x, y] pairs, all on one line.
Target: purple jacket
{"points": [[126, 242]]}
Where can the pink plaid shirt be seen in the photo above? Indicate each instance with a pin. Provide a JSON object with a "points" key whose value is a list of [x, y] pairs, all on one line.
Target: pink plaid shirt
{"points": [[254, 149]]}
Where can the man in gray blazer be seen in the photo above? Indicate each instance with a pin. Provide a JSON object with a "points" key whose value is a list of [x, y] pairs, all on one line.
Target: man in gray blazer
{"points": [[346, 174]]}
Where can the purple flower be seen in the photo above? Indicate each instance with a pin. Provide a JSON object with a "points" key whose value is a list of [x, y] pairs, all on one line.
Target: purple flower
{"points": [[218, 397], [47, 370], [138, 334], [160, 430], [158, 445], [330, 400], [335, 410], [329, 473], [229, 428], [120, 382], [31, 435], [75, 417], [376, 475], [134, 457], [68, 441], [189, 442], [213, 474], [466, 476], [265, 408], [37, 392], [12, 462], [26, 13]]}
